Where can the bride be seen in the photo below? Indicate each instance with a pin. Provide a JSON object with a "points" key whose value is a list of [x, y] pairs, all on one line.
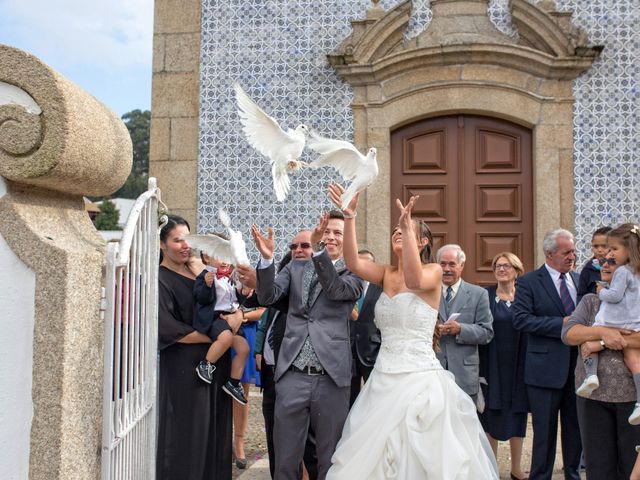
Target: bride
{"points": [[410, 421]]}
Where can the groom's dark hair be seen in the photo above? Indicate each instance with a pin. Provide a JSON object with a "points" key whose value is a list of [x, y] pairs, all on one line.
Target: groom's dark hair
{"points": [[336, 214]]}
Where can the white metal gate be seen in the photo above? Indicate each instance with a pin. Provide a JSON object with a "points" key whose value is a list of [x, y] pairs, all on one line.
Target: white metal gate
{"points": [[130, 302]]}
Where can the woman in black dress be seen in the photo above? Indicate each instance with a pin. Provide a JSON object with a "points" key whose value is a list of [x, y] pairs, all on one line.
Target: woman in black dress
{"points": [[502, 365], [194, 428]]}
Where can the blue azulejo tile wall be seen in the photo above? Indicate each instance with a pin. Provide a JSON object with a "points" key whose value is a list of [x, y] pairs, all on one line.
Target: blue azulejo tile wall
{"points": [[277, 50]]}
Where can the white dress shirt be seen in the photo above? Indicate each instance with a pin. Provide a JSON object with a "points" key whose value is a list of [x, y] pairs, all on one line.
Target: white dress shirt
{"points": [[555, 276]]}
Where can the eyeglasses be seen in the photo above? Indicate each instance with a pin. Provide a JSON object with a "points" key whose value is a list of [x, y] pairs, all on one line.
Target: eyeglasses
{"points": [[302, 245], [608, 260], [503, 266]]}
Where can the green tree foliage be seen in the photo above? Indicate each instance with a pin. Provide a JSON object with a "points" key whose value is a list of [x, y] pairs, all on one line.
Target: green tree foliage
{"points": [[138, 123], [108, 217]]}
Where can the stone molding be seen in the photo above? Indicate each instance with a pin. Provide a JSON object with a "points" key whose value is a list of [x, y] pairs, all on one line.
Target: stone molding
{"points": [[51, 149], [462, 64]]}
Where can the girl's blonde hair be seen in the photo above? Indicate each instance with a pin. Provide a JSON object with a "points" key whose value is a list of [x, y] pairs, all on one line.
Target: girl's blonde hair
{"points": [[629, 236]]}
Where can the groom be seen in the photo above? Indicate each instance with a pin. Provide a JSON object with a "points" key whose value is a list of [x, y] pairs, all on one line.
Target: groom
{"points": [[313, 370]]}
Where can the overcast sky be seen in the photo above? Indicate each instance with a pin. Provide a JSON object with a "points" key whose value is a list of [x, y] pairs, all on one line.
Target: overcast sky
{"points": [[104, 46]]}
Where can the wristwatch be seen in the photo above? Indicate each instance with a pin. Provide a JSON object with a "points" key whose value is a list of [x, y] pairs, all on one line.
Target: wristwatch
{"points": [[318, 246]]}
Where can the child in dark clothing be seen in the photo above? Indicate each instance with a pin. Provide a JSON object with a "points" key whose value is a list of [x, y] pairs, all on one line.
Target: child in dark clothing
{"points": [[216, 295], [590, 274]]}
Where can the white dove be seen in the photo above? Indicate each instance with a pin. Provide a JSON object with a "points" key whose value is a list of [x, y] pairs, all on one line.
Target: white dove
{"points": [[232, 251], [265, 135], [361, 170]]}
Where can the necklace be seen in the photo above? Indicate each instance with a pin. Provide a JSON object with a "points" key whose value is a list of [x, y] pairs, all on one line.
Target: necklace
{"points": [[507, 302], [509, 299]]}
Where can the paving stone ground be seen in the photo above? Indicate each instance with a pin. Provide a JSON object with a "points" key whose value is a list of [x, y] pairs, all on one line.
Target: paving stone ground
{"points": [[258, 462]]}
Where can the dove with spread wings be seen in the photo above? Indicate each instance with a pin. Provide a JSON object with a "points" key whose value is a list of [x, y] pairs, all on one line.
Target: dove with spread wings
{"points": [[232, 251], [265, 135], [353, 166]]}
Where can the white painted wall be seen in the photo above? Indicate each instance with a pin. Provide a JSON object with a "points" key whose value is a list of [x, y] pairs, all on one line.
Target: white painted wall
{"points": [[17, 299]]}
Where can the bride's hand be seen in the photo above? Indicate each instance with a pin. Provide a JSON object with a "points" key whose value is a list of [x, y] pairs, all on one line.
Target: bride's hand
{"points": [[405, 221], [335, 194]]}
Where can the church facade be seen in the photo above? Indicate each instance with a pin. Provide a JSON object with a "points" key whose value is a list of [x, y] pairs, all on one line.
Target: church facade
{"points": [[509, 119]]}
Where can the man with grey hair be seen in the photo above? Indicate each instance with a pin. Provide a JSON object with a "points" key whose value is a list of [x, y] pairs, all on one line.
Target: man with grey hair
{"points": [[544, 298], [466, 320]]}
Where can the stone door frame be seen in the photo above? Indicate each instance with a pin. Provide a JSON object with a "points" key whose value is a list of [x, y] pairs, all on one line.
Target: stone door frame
{"points": [[462, 65]]}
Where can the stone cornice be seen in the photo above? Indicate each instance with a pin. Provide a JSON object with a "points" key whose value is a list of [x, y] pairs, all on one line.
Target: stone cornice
{"points": [[549, 47]]}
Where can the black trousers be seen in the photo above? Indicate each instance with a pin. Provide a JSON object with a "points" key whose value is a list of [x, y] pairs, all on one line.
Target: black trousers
{"points": [[268, 408], [608, 439], [546, 404], [359, 374]]}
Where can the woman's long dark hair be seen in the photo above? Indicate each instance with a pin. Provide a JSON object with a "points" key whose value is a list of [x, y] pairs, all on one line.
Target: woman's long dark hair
{"points": [[424, 232], [426, 256], [172, 222]]}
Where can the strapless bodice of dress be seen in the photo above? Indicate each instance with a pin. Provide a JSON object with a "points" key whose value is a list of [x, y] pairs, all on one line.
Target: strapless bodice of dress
{"points": [[406, 324]]}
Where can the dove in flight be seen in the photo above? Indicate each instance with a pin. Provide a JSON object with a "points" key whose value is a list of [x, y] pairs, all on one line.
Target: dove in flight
{"points": [[265, 135], [360, 169], [232, 251]]}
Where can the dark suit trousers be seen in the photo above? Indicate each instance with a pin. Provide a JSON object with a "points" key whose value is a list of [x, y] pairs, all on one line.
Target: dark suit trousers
{"points": [[608, 439], [301, 401], [361, 373], [268, 409], [545, 404]]}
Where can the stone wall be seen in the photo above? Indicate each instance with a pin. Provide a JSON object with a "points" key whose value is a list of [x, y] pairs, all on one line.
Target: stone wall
{"points": [[173, 155], [57, 143], [277, 50]]}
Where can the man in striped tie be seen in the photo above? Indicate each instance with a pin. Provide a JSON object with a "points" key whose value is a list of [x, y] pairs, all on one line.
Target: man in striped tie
{"points": [[544, 298]]}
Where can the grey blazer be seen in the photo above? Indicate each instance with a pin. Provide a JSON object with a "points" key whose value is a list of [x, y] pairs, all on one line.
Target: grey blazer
{"points": [[322, 312], [459, 353]]}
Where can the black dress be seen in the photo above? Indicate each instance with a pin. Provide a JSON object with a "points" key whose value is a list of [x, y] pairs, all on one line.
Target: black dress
{"points": [[195, 419], [502, 365]]}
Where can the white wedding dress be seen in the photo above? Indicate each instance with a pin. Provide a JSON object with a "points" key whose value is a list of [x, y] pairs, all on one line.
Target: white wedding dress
{"points": [[411, 421]]}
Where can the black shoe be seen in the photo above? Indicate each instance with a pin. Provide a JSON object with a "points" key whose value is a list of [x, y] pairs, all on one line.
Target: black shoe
{"points": [[241, 463], [236, 392], [205, 371]]}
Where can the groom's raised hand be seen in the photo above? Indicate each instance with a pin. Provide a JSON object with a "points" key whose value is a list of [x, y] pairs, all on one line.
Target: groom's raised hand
{"points": [[265, 245]]}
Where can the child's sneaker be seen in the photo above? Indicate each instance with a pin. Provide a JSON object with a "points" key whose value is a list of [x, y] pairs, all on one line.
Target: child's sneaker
{"points": [[634, 419], [205, 371], [236, 392], [588, 386]]}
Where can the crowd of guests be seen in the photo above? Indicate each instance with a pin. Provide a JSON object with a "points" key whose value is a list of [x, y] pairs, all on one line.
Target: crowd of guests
{"points": [[524, 345]]}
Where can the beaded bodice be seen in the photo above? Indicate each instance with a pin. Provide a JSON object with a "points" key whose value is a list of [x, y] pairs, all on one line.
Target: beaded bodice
{"points": [[406, 324]]}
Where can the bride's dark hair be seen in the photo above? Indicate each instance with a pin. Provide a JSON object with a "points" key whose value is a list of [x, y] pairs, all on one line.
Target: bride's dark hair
{"points": [[424, 232], [426, 256]]}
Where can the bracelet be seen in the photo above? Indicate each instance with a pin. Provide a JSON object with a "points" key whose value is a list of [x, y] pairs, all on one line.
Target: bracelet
{"points": [[602, 344], [347, 216]]}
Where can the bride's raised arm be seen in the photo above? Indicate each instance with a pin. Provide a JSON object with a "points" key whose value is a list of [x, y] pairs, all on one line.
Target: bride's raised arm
{"points": [[417, 275], [369, 271]]}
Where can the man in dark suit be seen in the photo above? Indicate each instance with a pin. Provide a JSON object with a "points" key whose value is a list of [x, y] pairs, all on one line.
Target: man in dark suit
{"points": [[543, 298], [313, 372], [365, 336]]}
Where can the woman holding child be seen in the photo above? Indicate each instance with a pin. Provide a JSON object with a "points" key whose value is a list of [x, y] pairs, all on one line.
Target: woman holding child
{"points": [[608, 439], [194, 428]]}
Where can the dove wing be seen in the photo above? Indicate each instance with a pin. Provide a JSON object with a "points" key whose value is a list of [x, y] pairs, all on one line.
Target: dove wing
{"points": [[213, 246], [262, 131], [341, 155]]}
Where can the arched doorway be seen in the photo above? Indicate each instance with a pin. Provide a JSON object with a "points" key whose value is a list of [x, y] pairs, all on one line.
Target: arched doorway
{"points": [[475, 181]]}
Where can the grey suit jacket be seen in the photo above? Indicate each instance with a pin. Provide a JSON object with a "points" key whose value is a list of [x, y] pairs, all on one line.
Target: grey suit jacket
{"points": [[325, 317], [459, 353]]}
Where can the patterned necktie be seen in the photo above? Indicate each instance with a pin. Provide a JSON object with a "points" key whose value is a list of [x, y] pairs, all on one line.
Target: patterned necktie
{"points": [[565, 296], [449, 294]]}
